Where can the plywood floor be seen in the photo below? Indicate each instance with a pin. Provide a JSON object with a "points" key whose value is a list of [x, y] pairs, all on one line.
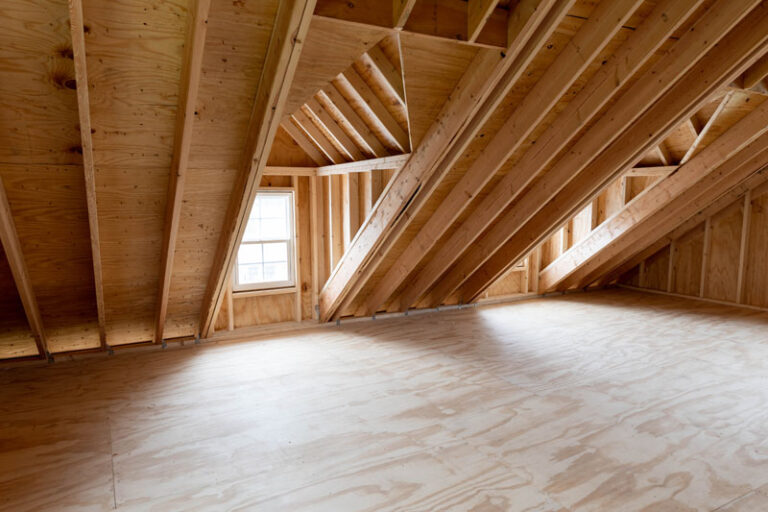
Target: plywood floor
{"points": [[610, 401]]}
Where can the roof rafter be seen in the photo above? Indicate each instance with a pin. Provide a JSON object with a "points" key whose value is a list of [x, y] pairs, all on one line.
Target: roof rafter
{"points": [[482, 87], [351, 151], [608, 242], [607, 82], [713, 71], [330, 96], [557, 79], [13, 253], [318, 138], [77, 32], [354, 83], [288, 34], [185, 117]]}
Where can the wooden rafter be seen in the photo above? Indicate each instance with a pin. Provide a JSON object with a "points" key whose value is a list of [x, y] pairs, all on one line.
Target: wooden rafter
{"points": [[756, 73], [706, 128], [77, 30], [747, 40], [651, 246], [377, 111], [571, 62], [478, 12], [318, 138], [606, 83], [299, 136], [680, 188], [482, 87], [330, 97], [627, 131], [388, 74], [332, 127], [401, 9], [13, 253], [288, 35], [185, 117]]}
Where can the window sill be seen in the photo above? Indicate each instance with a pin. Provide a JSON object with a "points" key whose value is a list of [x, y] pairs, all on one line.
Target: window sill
{"points": [[260, 293]]}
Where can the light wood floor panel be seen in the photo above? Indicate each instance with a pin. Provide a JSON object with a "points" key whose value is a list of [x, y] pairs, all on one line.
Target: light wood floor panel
{"points": [[605, 401]]}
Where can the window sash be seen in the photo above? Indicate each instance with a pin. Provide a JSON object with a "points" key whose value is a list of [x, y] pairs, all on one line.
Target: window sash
{"points": [[290, 243]]}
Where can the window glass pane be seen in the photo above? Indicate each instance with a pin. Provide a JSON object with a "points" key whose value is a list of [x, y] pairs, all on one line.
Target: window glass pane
{"points": [[249, 253], [265, 255], [275, 272], [276, 252], [252, 230], [250, 274]]}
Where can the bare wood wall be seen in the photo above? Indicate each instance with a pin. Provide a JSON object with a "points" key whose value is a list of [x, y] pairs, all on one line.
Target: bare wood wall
{"points": [[722, 258]]}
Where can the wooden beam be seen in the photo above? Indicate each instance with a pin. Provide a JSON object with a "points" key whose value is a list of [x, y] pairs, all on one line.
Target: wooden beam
{"points": [[756, 73], [13, 253], [77, 31], [288, 35], [374, 164], [651, 246], [707, 127], [401, 9], [330, 97], [664, 155], [625, 133], [185, 118], [656, 171], [607, 82], [275, 170], [482, 87], [744, 245], [478, 12], [705, 255], [594, 34], [322, 117], [606, 242], [318, 138], [304, 142], [388, 74], [354, 83]]}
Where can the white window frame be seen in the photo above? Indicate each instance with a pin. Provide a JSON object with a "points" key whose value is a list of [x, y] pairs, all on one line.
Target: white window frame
{"points": [[291, 240]]}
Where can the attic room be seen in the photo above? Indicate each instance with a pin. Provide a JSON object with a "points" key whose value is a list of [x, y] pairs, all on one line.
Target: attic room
{"points": [[402, 255]]}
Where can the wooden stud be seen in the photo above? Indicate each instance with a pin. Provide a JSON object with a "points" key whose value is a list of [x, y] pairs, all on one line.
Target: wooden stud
{"points": [[707, 127], [298, 313], [706, 249], [744, 245]]}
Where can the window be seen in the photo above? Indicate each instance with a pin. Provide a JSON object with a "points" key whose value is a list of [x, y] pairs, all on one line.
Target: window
{"points": [[265, 257]]}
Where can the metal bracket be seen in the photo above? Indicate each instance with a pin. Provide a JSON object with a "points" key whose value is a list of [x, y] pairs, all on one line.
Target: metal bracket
{"points": [[197, 340], [165, 345], [110, 352], [338, 322], [50, 358]]}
